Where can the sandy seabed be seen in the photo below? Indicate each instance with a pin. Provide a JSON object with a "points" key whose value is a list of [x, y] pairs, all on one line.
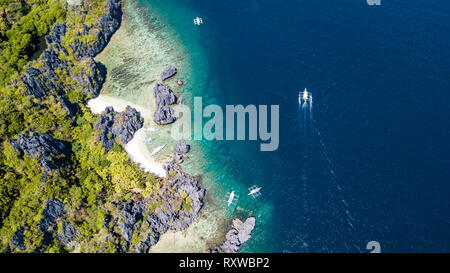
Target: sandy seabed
{"points": [[135, 58]]}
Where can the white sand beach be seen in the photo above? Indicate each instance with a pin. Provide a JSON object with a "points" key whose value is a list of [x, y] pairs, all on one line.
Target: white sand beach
{"points": [[136, 149], [135, 57]]}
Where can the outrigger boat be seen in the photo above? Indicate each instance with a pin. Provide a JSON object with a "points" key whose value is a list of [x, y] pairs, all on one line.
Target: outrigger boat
{"points": [[304, 96], [157, 150], [254, 191], [231, 198], [198, 21]]}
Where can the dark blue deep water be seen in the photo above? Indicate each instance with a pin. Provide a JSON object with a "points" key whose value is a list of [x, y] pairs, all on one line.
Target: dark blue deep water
{"points": [[380, 79]]}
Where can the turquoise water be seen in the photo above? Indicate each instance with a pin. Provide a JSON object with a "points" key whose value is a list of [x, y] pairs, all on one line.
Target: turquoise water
{"points": [[375, 168], [224, 166], [379, 76], [152, 37]]}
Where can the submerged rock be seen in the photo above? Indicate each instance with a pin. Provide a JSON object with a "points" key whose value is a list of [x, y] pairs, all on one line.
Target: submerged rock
{"points": [[119, 126], [47, 150], [169, 72], [182, 147]]}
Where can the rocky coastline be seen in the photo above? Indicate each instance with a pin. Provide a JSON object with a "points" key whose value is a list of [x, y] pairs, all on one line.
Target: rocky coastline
{"points": [[182, 200], [236, 236], [45, 80], [179, 199]]}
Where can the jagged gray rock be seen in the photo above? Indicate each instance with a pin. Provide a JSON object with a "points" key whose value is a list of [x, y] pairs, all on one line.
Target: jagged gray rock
{"points": [[106, 27], [231, 244], [54, 39], [164, 97], [47, 150], [17, 241], [67, 234], [245, 230], [68, 106], [167, 216], [182, 147], [189, 185], [131, 214], [39, 82], [53, 210], [164, 115], [236, 237], [118, 125], [169, 72], [92, 79], [171, 217]]}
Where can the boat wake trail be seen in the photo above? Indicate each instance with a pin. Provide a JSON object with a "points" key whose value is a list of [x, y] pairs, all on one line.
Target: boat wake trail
{"points": [[350, 220], [323, 218]]}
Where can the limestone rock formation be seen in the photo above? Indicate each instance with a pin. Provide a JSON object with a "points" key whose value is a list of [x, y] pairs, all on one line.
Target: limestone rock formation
{"points": [[164, 97], [40, 82], [169, 72], [47, 150], [106, 27], [67, 234], [119, 126], [182, 147], [236, 236]]}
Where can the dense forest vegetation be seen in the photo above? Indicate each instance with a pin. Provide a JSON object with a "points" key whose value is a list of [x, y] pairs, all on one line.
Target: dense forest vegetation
{"points": [[23, 25], [91, 183]]}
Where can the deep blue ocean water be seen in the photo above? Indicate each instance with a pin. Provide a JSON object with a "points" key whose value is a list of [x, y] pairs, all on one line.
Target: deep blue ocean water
{"points": [[380, 79]]}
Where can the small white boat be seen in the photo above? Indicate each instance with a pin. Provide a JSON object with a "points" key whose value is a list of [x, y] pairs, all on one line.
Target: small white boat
{"points": [[157, 150], [254, 191], [304, 96], [198, 21], [231, 198]]}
